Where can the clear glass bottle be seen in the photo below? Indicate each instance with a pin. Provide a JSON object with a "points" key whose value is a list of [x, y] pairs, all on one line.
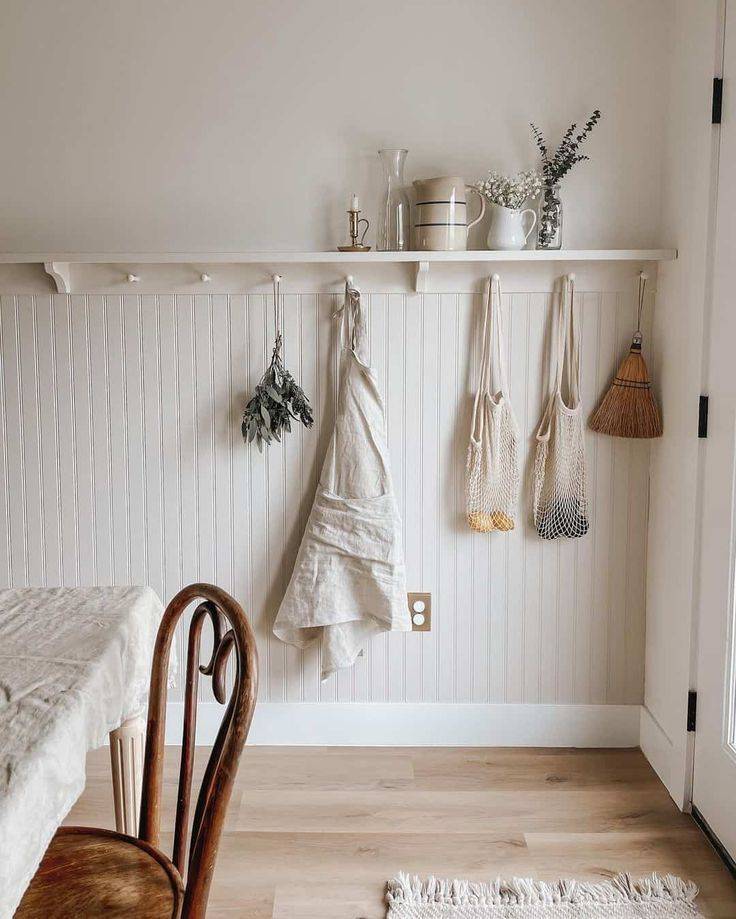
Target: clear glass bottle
{"points": [[549, 223], [394, 227]]}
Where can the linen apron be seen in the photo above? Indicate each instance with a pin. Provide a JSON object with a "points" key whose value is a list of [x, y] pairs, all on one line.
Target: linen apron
{"points": [[349, 580]]}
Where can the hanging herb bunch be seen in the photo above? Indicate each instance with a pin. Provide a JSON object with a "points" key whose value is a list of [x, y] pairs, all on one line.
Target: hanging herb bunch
{"points": [[555, 166], [277, 398]]}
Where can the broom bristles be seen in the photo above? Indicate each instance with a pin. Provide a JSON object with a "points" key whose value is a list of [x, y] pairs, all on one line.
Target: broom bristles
{"points": [[628, 408]]}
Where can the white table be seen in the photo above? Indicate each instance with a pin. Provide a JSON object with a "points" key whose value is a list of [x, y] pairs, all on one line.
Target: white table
{"points": [[74, 666]]}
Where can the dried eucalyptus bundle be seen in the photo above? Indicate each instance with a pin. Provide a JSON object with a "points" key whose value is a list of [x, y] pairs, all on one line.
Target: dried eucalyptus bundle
{"points": [[557, 164], [278, 398]]}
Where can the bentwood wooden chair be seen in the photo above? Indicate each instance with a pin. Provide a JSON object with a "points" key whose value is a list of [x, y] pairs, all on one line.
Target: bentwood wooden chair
{"points": [[88, 872]]}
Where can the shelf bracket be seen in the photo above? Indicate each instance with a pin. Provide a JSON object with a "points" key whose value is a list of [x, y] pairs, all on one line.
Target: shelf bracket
{"points": [[60, 272], [421, 278]]}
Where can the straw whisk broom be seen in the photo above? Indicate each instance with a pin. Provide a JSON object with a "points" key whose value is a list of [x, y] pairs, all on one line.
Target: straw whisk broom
{"points": [[628, 408]]}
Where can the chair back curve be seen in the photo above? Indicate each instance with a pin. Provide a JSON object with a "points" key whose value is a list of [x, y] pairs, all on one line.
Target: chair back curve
{"points": [[233, 636]]}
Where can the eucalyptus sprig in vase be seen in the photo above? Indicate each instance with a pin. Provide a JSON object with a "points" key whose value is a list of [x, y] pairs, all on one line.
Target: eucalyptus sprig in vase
{"points": [[555, 166]]}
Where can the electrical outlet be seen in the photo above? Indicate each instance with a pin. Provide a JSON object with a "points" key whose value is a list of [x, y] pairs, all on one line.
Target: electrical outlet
{"points": [[420, 610]]}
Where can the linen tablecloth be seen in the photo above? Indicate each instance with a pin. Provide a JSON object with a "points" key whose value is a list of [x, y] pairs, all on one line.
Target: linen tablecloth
{"points": [[74, 664]]}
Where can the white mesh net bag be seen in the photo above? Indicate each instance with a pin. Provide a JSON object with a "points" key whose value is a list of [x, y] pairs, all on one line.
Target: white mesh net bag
{"points": [[492, 470], [560, 502]]}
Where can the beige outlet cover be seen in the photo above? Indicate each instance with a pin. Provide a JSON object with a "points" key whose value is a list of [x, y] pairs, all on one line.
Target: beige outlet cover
{"points": [[420, 610]]}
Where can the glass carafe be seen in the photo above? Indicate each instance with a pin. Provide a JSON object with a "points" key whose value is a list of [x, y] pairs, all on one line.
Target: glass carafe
{"points": [[394, 228]]}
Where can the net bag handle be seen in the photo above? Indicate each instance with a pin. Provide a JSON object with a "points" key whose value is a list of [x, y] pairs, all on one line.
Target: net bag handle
{"points": [[498, 380], [484, 369], [569, 369], [566, 356]]}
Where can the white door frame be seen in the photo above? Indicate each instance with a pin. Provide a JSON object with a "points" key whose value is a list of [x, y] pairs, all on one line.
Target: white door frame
{"points": [[680, 361]]}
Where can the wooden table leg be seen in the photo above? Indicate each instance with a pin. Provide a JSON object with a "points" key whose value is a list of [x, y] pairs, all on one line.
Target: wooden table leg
{"points": [[126, 760]]}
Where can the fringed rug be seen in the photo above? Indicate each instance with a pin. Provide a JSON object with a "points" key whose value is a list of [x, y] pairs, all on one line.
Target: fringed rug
{"points": [[622, 897]]}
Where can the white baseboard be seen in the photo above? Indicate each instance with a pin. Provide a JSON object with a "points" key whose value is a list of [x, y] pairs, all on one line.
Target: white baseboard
{"points": [[424, 724]]}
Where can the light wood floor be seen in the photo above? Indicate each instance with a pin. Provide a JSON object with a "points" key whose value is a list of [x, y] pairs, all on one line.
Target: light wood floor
{"points": [[314, 833]]}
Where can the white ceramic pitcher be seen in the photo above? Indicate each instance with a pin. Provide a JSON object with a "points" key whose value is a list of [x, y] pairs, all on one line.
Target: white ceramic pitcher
{"points": [[441, 222], [507, 227]]}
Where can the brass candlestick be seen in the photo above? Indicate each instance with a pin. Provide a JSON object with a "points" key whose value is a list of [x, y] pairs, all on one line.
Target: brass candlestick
{"points": [[356, 245]]}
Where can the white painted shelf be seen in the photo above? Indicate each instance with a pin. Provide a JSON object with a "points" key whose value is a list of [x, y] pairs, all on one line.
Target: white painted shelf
{"points": [[58, 265], [258, 258]]}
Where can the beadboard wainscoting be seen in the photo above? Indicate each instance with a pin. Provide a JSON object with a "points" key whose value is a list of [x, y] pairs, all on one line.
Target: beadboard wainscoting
{"points": [[122, 462]]}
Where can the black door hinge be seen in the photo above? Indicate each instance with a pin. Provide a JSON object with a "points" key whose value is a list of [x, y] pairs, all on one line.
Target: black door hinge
{"points": [[717, 108], [703, 417], [692, 710]]}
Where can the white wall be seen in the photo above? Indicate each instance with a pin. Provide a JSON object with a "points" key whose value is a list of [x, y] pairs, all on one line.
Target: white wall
{"points": [[124, 465], [229, 125], [155, 125]]}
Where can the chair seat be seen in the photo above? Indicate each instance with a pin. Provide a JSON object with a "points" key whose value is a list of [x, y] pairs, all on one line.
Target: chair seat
{"points": [[88, 873]]}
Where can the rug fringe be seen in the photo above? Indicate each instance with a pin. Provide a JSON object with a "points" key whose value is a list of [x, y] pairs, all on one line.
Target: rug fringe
{"points": [[405, 889]]}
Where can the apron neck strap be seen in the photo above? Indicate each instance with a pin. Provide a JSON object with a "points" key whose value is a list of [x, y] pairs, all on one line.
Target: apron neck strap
{"points": [[353, 333]]}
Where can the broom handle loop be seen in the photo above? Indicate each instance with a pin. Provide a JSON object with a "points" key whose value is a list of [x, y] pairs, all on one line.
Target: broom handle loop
{"points": [[642, 289]]}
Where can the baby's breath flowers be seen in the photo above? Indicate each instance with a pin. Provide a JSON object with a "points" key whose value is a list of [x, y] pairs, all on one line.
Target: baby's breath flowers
{"points": [[510, 191]]}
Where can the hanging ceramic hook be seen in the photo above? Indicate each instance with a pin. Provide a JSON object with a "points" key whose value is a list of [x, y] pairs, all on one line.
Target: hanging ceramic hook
{"points": [[133, 278]]}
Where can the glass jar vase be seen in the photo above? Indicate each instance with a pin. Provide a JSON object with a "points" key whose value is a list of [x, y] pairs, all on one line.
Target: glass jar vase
{"points": [[394, 227], [549, 225]]}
